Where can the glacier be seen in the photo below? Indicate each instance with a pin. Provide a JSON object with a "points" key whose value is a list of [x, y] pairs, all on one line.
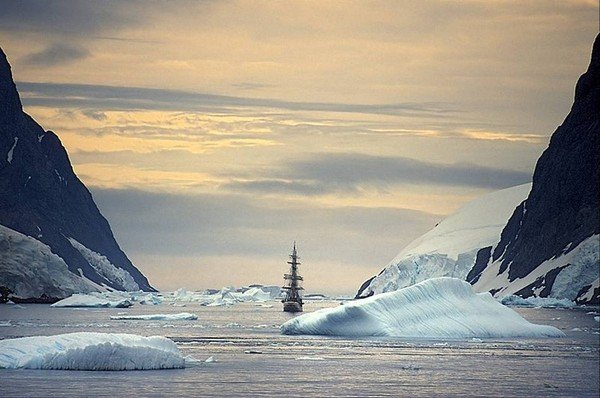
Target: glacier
{"points": [[450, 249], [105, 268], [29, 268], [438, 308], [90, 351]]}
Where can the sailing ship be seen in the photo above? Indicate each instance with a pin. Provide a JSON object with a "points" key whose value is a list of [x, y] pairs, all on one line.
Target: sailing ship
{"points": [[292, 301]]}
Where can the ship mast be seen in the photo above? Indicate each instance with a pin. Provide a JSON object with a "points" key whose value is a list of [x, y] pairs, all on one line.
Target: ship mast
{"points": [[293, 300]]}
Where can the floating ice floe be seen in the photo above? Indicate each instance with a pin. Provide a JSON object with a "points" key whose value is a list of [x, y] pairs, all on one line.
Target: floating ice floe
{"points": [[94, 300], [90, 351], [225, 297], [146, 298], [435, 308], [183, 316], [547, 302]]}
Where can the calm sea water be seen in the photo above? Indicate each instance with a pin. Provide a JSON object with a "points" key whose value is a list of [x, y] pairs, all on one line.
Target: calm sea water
{"points": [[253, 359]]}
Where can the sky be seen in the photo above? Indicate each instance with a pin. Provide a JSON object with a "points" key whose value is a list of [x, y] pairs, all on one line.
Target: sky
{"points": [[214, 134]]}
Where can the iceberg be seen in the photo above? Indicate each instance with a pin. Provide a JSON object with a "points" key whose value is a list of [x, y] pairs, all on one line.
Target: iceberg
{"points": [[183, 316], [435, 308], [89, 300], [90, 351], [226, 296]]}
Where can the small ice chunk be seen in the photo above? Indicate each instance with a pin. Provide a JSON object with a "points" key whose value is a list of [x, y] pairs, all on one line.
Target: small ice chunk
{"points": [[183, 316]]}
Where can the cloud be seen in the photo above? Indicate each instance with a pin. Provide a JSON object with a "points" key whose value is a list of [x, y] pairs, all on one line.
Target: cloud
{"points": [[79, 18], [352, 169], [274, 186], [206, 241], [229, 224], [251, 85], [57, 54], [113, 97]]}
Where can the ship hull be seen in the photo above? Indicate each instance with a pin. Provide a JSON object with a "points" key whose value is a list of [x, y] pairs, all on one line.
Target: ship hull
{"points": [[292, 306]]}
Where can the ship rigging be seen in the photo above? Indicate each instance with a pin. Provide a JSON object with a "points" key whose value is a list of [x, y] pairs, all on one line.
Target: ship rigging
{"points": [[292, 301]]}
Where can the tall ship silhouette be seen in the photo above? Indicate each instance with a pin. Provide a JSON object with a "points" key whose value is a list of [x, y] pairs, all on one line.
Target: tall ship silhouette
{"points": [[292, 301]]}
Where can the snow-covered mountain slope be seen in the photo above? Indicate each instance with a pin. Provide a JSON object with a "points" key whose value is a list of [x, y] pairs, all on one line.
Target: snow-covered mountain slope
{"points": [[436, 308], [572, 275], [30, 269], [41, 197], [451, 247]]}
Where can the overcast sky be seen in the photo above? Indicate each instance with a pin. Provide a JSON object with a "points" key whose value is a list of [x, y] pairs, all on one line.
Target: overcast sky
{"points": [[213, 134]]}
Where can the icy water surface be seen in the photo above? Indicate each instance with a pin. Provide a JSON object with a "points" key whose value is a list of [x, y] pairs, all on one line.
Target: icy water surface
{"points": [[253, 359]]}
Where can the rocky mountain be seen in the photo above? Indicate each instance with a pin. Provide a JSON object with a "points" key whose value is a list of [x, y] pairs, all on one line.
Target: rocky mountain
{"points": [[555, 231], [42, 198], [550, 245]]}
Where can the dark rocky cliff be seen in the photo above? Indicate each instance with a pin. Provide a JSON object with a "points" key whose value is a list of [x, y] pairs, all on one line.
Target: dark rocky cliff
{"points": [[563, 207], [41, 196]]}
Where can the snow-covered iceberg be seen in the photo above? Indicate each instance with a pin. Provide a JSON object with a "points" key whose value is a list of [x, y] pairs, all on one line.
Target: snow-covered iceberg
{"points": [[183, 316], [435, 308], [90, 351], [94, 300]]}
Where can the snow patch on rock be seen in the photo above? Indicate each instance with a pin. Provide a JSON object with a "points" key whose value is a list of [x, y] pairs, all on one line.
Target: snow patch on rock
{"points": [[9, 155], [581, 270]]}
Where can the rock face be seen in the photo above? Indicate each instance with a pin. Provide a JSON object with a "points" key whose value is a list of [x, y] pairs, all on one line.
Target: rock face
{"points": [[550, 246], [562, 210], [41, 197]]}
